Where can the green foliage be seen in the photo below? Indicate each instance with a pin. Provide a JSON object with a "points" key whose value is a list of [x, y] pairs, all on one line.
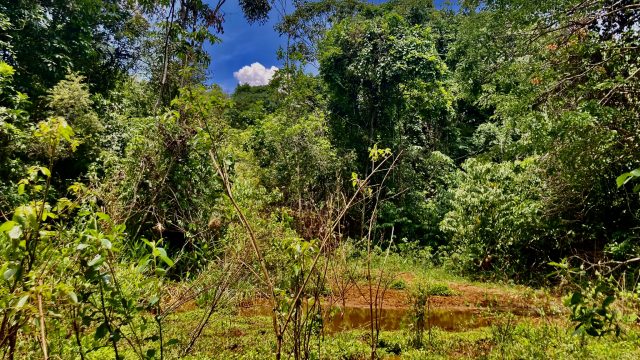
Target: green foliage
{"points": [[521, 71], [251, 104], [419, 298], [385, 79], [307, 25], [295, 155], [627, 177], [60, 264], [46, 40], [387, 84], [512, 129], [592, 313], [439, 290], [398, 284], [496, 220], [164, 186], [13, 135], [71, 98]]}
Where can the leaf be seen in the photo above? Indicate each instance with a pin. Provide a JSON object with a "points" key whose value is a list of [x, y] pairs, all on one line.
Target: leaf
{"points": [[45, 171], [106, 244], [558, 265], [172, 342], [72, 295], [116, 335], [6, 70], [143, 264], [104, 217], [15, 232], [7, 226], [159, 252], [607, 301], [22, 302], [101, 331], [167, 260], [96, 261], [8, 274], [162, 254], [576, 298], [622, 179]]}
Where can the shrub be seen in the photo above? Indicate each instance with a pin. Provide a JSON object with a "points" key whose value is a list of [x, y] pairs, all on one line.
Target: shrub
{"points": [[398, 284], [439, 290], [496, 221]]}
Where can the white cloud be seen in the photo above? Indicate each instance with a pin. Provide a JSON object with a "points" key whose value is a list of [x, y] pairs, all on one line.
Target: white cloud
{"points": [[255, 75]]}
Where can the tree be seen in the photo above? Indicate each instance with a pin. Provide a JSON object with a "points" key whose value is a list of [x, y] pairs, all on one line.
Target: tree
{"points": [[306, 26], [251, 104], [555, 81], [388, 85], [46, 39]]}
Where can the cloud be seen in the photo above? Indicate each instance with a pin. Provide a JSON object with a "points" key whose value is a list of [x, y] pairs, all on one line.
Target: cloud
{"points": [[255, 75]]}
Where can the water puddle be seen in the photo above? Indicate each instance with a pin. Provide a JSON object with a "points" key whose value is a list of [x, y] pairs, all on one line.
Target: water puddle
{"points": [[395, 319], [390, 319]]}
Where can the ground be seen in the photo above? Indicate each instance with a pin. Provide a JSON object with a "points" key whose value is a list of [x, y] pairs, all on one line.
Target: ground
{"points": [[478, 320]]}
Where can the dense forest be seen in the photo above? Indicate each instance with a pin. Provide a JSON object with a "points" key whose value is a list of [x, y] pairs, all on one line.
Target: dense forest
{"points": [[416, 181]]}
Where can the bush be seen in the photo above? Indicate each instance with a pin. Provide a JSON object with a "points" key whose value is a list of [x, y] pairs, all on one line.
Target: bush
{"points": [[496, 222], [439, 290], [398, 284]]}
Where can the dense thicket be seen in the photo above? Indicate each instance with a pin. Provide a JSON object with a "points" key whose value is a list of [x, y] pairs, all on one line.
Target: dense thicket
{"points": [[511, 120]]}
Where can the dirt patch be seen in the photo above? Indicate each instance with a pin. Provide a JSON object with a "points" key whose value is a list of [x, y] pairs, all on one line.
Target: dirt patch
{"points": [[466, 296]]}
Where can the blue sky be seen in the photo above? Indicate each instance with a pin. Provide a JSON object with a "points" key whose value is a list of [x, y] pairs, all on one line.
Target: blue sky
{"points": [[243, 44]]}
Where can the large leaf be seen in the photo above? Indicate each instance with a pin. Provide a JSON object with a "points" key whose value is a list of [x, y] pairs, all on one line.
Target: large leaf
{"points": [[8, 274], [101, 331], [7, 226], [15, 232], [22, 302], [72, 295]]}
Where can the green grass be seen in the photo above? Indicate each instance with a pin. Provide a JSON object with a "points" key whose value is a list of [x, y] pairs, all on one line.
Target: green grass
{"points": [[232, 336], [238, 337], [438, 289]]}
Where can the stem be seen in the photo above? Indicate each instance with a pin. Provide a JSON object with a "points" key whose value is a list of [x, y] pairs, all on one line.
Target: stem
{"points": [[106, 320], [43, 332], [335, 223], [252, 237], [166, 53], [76, 331]]}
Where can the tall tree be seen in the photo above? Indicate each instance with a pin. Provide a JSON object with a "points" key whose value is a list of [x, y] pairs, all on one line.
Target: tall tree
{"points": [[387, 85], [46, 39]]}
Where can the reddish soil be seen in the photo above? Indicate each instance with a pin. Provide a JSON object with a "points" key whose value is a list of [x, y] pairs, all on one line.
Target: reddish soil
{"points": [[466, 296]]}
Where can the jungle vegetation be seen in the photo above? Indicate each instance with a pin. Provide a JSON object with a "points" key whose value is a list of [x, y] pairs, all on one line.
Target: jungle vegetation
{"points": [[496, 141]]}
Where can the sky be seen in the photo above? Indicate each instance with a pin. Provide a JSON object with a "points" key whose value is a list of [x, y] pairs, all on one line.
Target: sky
{"points": [[246, 53]]}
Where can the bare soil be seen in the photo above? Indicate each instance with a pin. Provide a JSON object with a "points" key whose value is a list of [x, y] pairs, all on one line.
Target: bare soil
{"points": [[466, 297]]}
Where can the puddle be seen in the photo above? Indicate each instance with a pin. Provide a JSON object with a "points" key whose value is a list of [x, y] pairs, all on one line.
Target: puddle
{"points": [[390, 319], [395, 319]]}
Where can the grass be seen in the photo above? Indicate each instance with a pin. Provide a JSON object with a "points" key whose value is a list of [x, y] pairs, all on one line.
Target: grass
{"points": [[233, 336], [439, 289], [238, 337]]}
